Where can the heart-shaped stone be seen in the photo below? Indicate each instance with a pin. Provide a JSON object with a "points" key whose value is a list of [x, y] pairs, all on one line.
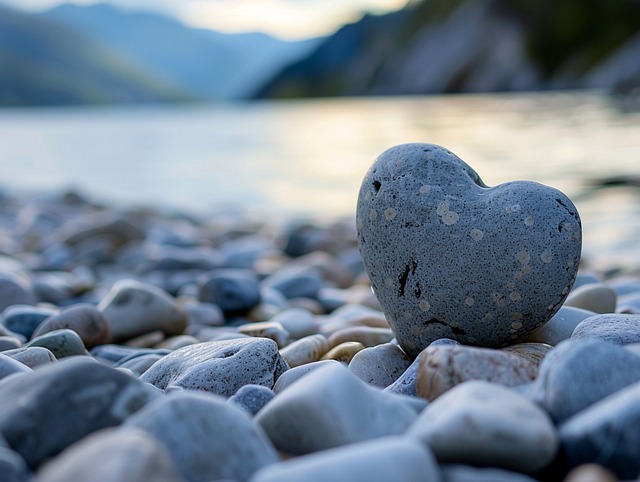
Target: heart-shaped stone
{"points": [[449, 257]]}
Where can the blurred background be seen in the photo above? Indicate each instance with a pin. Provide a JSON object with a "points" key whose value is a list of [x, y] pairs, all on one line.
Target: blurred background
{"points": [[278, 107]]}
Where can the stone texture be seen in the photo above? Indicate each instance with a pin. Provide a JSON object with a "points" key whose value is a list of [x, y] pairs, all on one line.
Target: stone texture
{"points": [[331, 407], [33, 356], [380, 365], [533, 352], [388, 459], [305, 350], [85, 319], [443, 367], [486, 424], [266, 329], [213, 439], [621, 329], [450, 257], [291, 376], [220, 367], [252, 398], [62, 343], [560, 326]]}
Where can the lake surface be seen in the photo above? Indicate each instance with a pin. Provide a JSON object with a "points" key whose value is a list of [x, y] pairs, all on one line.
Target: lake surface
{"points": [[285, 159]]}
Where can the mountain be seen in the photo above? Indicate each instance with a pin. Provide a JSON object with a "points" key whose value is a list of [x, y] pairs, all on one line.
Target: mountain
{"points": [[42, 63], [210, 64], [441, 46]]}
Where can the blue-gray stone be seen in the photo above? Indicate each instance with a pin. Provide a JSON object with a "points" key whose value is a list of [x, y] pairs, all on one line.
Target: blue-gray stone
{"points": [[296, 282], [114, 354], [621, 329], [62, 343], [12, 466], [24, 319], [449, 257], [235, 291], [44, 411], [83, 318], [9, 343], [578, 373], [32, 356], [15, 290], [406, 383], [9, 366], [252, 398], [606, 433]]}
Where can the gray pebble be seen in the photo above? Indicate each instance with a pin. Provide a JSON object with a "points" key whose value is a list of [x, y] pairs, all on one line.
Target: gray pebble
{"points": [[466, 473], [500, 261], [617, 328], [560, 326], [380, 365], [83, 318], [596, 297], [13, 467], [294, 374], [296, 282], [33, 356], [297, 321], [15, 290], [24, 319], [252, 398], [406, 384], [234, 291], [62, 343], [9, 366], [9, 343]]}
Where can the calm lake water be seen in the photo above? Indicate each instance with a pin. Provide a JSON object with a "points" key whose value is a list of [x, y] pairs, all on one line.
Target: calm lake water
{"points": [[294, 158]]}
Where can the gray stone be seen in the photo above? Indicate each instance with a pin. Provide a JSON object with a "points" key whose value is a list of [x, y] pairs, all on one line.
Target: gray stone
{"points": [[133, 308], [449, 257], [44, 411], [466, 473], [578, 373], [296, 282], [13, 467], [15, 290], [621, 329], [331, 407], [235, 291], [560, 326], [294, 374], [367, 335], [9, 343], [33, 356], [387, 459], [596, 297], [252, 398], [203, 314], [24, 319], [220, 367], [61, 343], [112, 455], [486, 424], [266, 329], [83, 318], [380, 365], [629, 304], [406, 384], [606, 432], [113, 354], [306, 350], [214, 440], [9, 366], [297, 321], [139, 364]]}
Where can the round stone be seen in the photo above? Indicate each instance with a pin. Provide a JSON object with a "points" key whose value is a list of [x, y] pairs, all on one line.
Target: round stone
{"points": [[484, 266]]}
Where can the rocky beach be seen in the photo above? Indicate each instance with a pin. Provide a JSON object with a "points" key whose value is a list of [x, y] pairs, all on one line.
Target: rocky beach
{"points": [[151, 345]]}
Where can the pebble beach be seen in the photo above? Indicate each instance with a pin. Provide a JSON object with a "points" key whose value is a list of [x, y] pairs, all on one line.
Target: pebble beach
{"points": [[150, 345]]}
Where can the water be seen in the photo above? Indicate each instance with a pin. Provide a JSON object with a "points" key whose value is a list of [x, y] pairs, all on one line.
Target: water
{"points": [[308, 157]]}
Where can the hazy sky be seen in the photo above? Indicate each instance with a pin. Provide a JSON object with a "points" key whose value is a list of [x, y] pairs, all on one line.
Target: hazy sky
{"points": [[285, 18]]}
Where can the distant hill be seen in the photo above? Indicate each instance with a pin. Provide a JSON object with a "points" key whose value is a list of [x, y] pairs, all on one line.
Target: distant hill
{"points": [[441, 46], [42, 63], [210, 64]]}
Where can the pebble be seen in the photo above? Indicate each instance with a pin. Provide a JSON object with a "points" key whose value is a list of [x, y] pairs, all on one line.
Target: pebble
{"points": [[15, 290], [214, 440], [387, 459], [590, 473], [9, 343], [62, 343], [466, 473], [406, 383], [44, 411], [296, 373], [132, 455], [560, 326], [380, 365], [578, 373], [596, 297], [139, 364], [366, 335], [500, 262], [85, 319], [330, 407], [203, 314], [533, 352], [305, 350], [24, 319], [266, 329], [9, 366], [219, 367], [13, 467], [485, 424], [297, 321], [33, 356], [617, 328], [344, 352], [252, 398], [443, 367], [133, 308], [295, 282], [234, 291]]}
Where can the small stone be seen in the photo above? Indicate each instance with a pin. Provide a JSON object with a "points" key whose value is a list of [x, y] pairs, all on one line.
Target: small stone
{"points": [[235, 291], [590, 473], [614, 327], [305, 350], [203, 314], [380, 365], [220, 367], [296, 373], [498, 262], [133, 308], [24, 319], [252, 398], [139, 364], [214, 440], [406, 384], [387, 459], [148, 340], [33, 356], [175, 342], [297, 321], [112, 354], [533, 352], [9, 366], [466, 473], [303, 418], [486, 424], [596, 297], [112, 455], [295, 282], [443, 367], [344, 352], [85, 319], [266, 329], [15, 290], [62, 343], [366, 335], [560, 326], [9, 343]]}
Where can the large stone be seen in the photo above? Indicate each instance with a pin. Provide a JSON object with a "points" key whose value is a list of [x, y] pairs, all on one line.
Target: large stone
{"points": [[211, 441], [449, 257], [220, 367]]}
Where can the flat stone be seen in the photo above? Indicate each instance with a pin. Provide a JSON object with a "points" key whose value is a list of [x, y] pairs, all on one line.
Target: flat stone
{"points": [[45, 411], [305, 350], [252, 398], [617, 328], [24, 319], [596, 297], [33, 356], [112, 455], [9, 366], [220, 367], [387, 459], [486, 424], [306, 416], [380, 365], [62, 343], [500, 261], [578, 373], [133, 308], [560, 326], [235, 291], [606, 432], [466, 473], [214, 440], [85, 319], [443, 367]]}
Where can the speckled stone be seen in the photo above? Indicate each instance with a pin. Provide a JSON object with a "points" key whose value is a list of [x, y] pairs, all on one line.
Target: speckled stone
{"points": [[621, 329], [85, 319], [252, 398], [450, 257], [560, 326], [220, 367], [486, 424], [380, 365], [406, 384], [596, 297], [305, 350]]}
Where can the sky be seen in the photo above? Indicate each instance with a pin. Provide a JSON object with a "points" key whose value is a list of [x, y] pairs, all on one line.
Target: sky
{"points": [[283, 18]]}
